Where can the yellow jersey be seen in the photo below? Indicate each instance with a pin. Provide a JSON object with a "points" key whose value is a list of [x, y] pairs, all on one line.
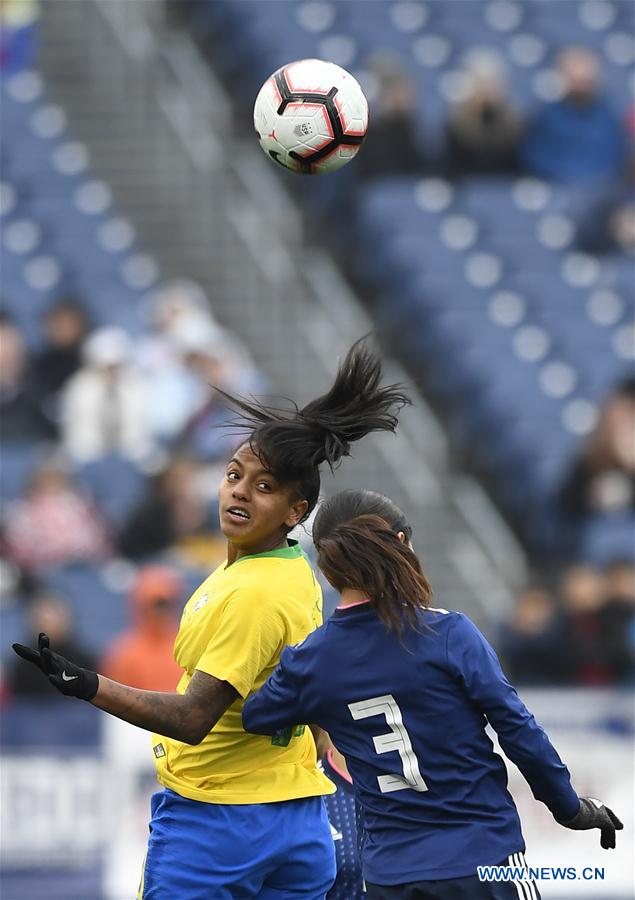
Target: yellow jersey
{"points": [[234, 627]]}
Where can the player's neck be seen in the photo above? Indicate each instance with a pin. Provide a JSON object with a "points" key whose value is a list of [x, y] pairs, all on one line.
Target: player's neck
{"points": [[234, 552], [351, 596]]}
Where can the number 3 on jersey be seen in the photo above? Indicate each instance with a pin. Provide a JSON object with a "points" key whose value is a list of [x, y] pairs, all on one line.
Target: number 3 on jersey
{"points": [[398, 740]]}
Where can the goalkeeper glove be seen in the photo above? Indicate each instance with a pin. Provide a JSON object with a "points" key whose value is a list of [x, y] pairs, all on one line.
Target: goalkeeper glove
{"points": [[69, 679], [594, 814]]}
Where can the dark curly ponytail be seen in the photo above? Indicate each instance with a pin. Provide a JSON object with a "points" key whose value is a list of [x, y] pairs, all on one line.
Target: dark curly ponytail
{"points": [[294, 443]]}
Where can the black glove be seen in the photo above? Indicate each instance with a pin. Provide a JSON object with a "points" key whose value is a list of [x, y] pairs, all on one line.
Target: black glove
{"points": [[594, 814], [64, 675]]}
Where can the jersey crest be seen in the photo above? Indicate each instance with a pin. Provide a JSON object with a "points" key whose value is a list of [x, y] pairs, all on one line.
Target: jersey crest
{"points": [[200, 603]]}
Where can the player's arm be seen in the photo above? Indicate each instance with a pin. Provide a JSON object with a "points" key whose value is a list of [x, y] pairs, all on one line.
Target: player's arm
{"points": [[522, 739], [185, 717], [322, 740], [245, 640], [278, 703]]}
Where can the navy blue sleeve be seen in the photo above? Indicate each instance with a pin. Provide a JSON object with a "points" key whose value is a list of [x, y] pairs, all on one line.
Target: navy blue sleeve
{"points": [[523, 741], [277, 704]]}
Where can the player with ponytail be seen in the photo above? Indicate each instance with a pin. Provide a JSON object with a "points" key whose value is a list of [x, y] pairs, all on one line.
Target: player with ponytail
{"points": [[405, 692], [242, 815]]}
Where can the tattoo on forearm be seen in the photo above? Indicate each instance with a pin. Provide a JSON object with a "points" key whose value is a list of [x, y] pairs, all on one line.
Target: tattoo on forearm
{"points": [[185, 717]]}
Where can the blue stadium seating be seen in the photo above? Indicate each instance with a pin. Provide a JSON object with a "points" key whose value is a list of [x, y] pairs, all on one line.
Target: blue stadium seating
{"points": [[60, 234], [14, 626], [442, 261], [18, 459], [494, 258], [114, 484], [100, 611]]}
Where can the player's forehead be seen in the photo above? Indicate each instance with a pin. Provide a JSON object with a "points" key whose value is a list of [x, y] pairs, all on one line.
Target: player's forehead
{"points": [[245, 458]]}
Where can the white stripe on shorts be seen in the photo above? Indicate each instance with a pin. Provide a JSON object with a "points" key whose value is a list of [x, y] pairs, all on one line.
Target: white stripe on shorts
{"points": [[532, 885], [514, 861]]}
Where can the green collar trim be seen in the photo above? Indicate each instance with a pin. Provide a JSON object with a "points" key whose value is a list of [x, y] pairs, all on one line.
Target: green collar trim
{"points": [[293, 551]]}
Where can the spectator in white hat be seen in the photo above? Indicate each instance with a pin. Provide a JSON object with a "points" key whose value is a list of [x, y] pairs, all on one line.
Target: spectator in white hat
{"points": [[178, 314], [104, 406]]}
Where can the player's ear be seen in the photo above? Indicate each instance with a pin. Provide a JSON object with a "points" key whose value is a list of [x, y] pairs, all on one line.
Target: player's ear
{"points": [[402, 537], [296, 512]]}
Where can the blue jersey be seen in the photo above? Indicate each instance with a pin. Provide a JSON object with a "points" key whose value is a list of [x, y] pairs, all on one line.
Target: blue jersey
{"points": [[410, 720], [342, 813]]}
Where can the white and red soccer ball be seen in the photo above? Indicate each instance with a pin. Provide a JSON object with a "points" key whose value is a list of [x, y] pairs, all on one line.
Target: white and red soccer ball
{"points": [[311, 116]]}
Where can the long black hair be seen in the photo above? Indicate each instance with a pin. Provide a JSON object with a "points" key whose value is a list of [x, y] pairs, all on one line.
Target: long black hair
{"points": [[348, 505], [356, 535], [294, 443]]}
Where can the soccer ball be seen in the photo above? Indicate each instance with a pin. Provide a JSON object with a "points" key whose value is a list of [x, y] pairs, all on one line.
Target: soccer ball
{"points": [[311, 116]]}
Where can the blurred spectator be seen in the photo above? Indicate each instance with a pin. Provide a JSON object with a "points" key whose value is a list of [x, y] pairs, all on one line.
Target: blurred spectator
{"points": [[177, 392], [578, 138], [21, 414], [11, 579], [531, 644], [143, 656], [609, 224], [603, 478], [392, 145], [619, 617], [53, 524], [65, 327], [184, 353], [50, 613], [587, 649], [178, 513], [18, 35], [484, 129], [208, 434], [584, 639], [104, 406]]}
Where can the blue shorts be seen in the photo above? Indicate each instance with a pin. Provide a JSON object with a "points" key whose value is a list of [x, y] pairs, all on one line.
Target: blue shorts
{"points": [[211, 851]]}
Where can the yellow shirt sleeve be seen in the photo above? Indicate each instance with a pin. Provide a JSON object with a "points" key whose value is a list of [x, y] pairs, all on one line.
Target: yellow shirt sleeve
{"points": [[247, 638]]}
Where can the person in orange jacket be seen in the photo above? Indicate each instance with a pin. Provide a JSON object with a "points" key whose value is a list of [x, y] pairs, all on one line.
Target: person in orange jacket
{"points": [[142, 656]]}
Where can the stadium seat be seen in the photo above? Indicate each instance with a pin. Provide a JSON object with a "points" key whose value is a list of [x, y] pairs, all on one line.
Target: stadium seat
{"points": [[115, 485], [18, 459], [99, 609]]}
